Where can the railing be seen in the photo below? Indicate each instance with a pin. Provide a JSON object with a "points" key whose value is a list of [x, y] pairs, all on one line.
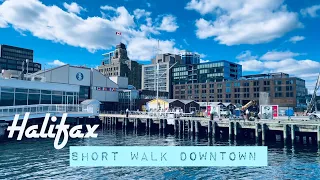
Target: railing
{"points": [[41, 108], [152, 114]]}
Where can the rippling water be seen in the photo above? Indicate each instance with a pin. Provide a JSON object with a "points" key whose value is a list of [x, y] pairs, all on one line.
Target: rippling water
{"points": [[37, 159]]}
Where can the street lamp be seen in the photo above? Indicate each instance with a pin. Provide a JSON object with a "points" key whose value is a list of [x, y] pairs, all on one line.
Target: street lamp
{"points": [[27, 61]]}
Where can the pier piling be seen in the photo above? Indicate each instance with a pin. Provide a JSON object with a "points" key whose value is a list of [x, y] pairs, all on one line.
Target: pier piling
{"points": [[318, 135], [235, 126], [263, 132], [197, 126], [230, 129], [285, 133], [293, 133]]}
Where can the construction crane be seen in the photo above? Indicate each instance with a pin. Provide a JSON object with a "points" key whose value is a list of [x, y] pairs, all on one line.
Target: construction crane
{"points": [[312, 102], [250, 103]]}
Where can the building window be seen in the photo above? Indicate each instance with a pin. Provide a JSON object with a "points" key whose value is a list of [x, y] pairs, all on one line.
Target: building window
{"points": [[227, 84], [246, 84], [236, 84], [228, 96], [256, 89], [211, 91], [289, 94], [277, 82], [219, 90], [236, 89], [256, 83], [236, 95], [196, 91], [211, 85], [204, 91], [246, 95], [289, 82], [228, 90], [266, 89], [289, 88], [278, 88], [278, 94], [266, 83], [204, 86]]}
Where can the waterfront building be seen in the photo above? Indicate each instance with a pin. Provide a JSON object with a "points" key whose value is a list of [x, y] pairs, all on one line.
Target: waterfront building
{"points": [[283, 90], [216, 71], [11, 58], [119, 64], [189, 57], [149, 73], [61, 85], [107, 58]]}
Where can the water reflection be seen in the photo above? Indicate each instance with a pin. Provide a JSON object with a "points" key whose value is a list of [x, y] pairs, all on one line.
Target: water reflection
{"points": [[30, 158]]}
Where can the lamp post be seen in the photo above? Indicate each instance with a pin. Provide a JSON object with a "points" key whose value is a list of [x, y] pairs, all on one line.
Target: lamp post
{"points": [[27, 61]]}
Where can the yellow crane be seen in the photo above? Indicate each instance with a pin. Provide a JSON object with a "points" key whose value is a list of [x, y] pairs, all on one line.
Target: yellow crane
{"points": [[250, 103]]}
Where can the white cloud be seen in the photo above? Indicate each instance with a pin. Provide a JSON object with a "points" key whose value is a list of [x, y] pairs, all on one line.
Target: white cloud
{"points": [[56, 63], [148, 4], [169, 23], [306, 69], [311, 11], [243, 21], [73, 7], [138, 13], [204, 61], [246, 55], [295, 39], [108, 8], [278, 55], [140, 48], [93, 33], [251, 65]]}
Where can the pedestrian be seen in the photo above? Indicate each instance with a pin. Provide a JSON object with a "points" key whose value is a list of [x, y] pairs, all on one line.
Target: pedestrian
{"points": [[127, 112]]}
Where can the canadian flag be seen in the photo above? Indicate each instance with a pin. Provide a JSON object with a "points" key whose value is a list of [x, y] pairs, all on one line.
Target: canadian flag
{"points": [[118, 33]]}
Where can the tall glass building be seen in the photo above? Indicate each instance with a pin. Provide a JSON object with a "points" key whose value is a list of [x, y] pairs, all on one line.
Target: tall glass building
{"points": [[216, 71], [107, 57], [11, 58], [189, 57]]}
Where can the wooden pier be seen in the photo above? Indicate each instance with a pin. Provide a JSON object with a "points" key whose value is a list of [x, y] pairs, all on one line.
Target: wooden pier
{"points": [[262, 130]]}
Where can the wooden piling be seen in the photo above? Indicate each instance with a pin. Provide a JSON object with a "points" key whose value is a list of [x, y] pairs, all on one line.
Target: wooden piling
{"points": [[197, 127], [285, 133], [176, 125], [192, 126], [147, 124], [263, 132], [293, 133], [160, 124], [165, 122], [180, 126], [210, 128], [236, 130], [214, 126], [318, 135], [230, 129], [150, 124]]}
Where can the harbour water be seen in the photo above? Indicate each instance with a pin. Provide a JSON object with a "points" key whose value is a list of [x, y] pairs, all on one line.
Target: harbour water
{"points": [[37, 159]]}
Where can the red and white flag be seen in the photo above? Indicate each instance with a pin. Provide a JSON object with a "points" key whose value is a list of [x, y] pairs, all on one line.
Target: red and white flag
{"points": [[118, 33]]}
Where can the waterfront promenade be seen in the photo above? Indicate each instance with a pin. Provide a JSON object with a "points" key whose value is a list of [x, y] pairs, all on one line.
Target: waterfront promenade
{"points": [[294, 129]]}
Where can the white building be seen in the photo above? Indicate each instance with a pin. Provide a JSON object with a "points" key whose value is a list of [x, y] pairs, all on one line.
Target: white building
{"points": [[61, 85]]}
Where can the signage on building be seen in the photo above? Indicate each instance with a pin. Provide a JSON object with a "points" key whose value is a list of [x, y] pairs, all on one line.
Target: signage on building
{"points": [[269, 111], [79, 76], [104, 89]]}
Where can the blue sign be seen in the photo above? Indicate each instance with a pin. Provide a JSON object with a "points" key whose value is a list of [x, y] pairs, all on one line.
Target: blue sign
{"points": [[79, 76]]}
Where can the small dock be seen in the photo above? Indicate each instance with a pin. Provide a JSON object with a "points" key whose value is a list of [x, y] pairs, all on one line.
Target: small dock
{"points": [[293, 130]]}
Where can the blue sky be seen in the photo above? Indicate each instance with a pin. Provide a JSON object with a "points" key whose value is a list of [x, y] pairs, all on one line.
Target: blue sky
{"points": [[263, 36]]}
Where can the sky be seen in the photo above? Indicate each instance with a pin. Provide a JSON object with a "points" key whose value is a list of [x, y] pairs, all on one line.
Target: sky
{"points": [[264, 36]]}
